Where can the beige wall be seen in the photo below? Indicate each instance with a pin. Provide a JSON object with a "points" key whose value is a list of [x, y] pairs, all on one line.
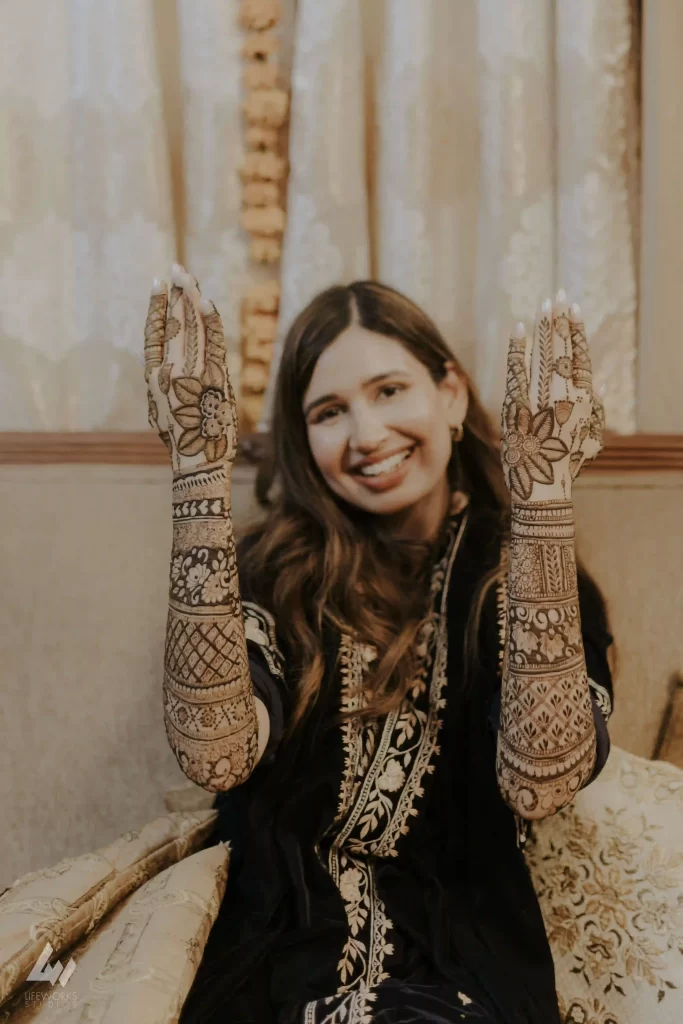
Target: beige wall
{"points": [[85, 553], [660, 353]]}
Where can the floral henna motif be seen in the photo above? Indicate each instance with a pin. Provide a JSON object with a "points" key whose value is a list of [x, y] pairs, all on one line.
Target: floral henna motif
{"points": [[531, 449], [205, 416], [546, 742], [205, 576], [552, 421], [209, 708]]}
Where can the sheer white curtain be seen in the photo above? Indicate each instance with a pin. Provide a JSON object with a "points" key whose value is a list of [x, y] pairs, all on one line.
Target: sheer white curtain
{"points": [[85, 218], [499, 165], [559, 185], [327, 237], [121, 130], [475, 154]]}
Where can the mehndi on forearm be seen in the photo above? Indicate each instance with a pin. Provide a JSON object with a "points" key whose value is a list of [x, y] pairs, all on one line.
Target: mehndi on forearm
{"points": [[546, 740], [209, 710]]}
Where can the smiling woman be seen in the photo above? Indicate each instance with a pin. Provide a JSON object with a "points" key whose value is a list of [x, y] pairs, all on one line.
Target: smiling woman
{"points": [[394, 673], [381, 438]]}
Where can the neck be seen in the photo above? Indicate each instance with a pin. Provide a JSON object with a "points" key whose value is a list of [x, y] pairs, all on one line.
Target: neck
{"points": [[422, 521]]}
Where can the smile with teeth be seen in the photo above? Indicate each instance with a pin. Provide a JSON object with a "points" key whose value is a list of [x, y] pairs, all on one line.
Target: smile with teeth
{"points": [[386, 465]]}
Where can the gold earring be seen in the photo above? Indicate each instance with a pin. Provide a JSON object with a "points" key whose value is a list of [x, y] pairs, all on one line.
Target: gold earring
{"points": [[457, 433]]}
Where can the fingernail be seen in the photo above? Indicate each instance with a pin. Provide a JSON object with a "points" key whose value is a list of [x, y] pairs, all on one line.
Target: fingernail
{"points": [[547, 307], [520, 330], [575, 310], [178, 275], [207, 307], [158, 286], [561, 296]]}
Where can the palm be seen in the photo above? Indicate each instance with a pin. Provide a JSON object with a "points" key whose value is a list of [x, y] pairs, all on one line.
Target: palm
{"points": [[191, 402], [552, 421]]}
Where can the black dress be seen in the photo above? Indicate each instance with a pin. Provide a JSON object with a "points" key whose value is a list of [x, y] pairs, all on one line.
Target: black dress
{"points": [[377, 874]]}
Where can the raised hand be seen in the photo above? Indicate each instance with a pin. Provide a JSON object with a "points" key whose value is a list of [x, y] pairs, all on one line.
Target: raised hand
{"points": [[552, 421], [190, 398], [209, 705]]}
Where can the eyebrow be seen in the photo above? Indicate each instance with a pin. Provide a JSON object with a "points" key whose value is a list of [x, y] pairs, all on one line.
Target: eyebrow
{"points": [[372, 380]]}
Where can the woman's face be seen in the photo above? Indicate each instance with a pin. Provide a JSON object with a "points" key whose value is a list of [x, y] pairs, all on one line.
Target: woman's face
{"points": [[378, 426]]}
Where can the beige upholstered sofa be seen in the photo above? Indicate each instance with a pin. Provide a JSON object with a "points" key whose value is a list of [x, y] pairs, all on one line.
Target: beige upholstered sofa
{"points": [[127, 925]]}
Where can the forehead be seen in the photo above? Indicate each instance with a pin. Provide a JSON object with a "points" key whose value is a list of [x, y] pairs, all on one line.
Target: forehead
{"points": [[357, 356]]}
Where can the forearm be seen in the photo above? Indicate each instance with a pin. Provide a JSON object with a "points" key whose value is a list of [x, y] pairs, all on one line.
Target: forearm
{"points": [[209, 708], [547, 740]]}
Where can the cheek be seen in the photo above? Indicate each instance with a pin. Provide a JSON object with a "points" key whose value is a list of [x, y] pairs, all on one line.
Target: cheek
{"points": [[438, 446], [327, 448], [426, 420]]}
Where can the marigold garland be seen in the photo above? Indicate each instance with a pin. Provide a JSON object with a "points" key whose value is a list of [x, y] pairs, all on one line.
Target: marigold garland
{"points": [[263, 174]]}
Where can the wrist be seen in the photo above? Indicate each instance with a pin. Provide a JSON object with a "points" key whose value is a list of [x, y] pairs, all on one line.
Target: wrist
{"points": [[201, 510], [540, 503], [549, 520]]}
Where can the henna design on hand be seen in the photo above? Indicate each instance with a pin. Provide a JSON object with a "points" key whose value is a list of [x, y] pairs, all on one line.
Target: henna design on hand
{"points": [[551, 420], [546, 741], [209, 708]]}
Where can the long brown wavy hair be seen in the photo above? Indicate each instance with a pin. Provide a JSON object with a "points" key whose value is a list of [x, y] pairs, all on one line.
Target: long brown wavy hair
{"points": [[317, 560]]}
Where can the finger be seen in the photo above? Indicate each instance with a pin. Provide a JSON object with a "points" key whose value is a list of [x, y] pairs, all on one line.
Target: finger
{"points": [[216, 348], [562, 349], [542, 358], [193, 349], [216, 371], [582, 373], [597, 422], [516, 381], [187, 281], [155, 327], [175, 320]]}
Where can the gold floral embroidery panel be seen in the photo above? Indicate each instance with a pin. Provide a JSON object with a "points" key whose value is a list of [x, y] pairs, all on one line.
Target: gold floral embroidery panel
{"points": [[384, 768]]}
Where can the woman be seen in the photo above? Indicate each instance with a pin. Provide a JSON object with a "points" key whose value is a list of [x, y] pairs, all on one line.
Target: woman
{"points": [[406, 672]]}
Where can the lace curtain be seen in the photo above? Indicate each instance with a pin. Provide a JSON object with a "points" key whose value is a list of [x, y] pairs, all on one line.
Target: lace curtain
{"points": [[121, 123], [473, 154], [496, 162]]}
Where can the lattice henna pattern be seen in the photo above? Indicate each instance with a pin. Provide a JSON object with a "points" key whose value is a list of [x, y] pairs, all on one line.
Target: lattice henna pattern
{"points": [[209, 705]]}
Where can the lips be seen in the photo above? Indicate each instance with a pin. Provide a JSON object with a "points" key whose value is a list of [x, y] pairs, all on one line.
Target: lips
{"points": [[378, 466]]}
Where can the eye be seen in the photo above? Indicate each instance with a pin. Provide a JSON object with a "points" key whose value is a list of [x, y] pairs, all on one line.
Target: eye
{"points": [[389, 390], [326, 414]]}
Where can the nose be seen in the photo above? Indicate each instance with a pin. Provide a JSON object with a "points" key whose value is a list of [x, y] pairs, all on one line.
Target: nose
{"points": [[368, 430]]}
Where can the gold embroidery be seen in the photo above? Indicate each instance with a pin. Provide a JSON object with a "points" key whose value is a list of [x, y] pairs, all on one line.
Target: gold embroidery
{"points": [[602, 698], [384, 767], [349, 1008], [259, 627]]}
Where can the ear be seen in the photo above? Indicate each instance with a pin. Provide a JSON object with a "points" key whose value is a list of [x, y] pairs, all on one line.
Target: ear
{"points": [[455, 394]]}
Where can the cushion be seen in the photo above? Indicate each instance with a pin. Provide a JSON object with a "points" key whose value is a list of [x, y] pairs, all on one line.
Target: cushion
{"points": [[608, 871], [62, 904], [139, 964]]}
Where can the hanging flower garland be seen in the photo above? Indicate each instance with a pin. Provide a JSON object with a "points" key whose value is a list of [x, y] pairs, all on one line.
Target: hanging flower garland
{"points": [[263, 176]]}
